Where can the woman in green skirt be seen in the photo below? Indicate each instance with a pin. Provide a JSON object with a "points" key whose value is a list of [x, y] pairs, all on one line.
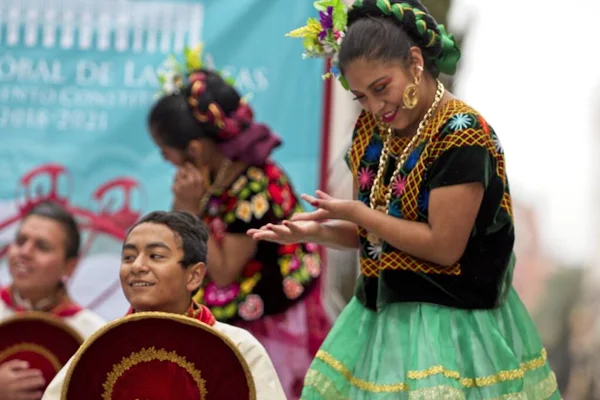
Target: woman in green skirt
{"points": [[434, 314]]}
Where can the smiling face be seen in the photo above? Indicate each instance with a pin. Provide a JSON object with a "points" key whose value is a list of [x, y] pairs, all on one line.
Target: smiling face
{"points": [[152, 276], [379, 88], [37, 258]]}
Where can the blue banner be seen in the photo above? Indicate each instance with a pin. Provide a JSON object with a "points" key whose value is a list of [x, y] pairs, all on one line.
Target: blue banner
{"points": [[77, 79]]}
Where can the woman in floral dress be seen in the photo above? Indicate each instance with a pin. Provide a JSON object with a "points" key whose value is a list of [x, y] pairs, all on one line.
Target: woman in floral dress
{"points": [[207, 131], [435, 315]]}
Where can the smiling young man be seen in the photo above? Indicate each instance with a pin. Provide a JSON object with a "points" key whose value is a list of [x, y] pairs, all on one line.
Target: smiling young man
{"points": [[41, 258], [163, 263]]}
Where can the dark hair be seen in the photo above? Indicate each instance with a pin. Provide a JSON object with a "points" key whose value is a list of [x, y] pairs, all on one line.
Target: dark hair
{"points": [[189, 228], [59, 214], [173, 119], [386, 30]]}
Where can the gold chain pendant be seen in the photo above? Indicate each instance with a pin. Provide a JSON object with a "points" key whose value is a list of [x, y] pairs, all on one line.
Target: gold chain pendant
{"points": [[401, 159]]}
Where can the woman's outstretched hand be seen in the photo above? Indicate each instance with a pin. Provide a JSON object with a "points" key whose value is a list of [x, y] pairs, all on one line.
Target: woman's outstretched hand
{"points": [[287, 232], [328, 207], [306, 227]]}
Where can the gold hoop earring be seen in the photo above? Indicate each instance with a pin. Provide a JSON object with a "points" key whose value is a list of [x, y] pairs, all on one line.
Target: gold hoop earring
{"points": [[411, 94]]}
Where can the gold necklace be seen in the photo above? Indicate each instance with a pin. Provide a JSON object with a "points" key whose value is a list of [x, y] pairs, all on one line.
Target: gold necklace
{"points": [[213, 188], [383, 161]]}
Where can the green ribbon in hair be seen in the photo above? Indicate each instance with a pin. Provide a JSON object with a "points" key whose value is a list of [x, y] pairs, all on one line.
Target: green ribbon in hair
{"points": [[447, 61]]}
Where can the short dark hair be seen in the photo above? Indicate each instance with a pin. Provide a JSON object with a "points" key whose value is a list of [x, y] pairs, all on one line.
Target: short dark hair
{"points": [[172, 117], [386, 30], [59, 214], [190, 229]]}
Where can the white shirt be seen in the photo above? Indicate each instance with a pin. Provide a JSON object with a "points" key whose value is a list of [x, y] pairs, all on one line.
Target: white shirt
{"points": [[266, 381]]}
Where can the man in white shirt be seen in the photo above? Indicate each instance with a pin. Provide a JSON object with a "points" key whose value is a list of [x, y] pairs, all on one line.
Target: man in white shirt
{"points": [[163, 264]]}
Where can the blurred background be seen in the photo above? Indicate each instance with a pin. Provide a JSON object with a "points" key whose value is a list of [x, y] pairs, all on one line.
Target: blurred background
{"points": [[77, 79]]}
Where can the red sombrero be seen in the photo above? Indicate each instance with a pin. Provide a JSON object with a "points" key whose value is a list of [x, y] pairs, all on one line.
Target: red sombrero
{"points": [[154, 356], [45, 341]]}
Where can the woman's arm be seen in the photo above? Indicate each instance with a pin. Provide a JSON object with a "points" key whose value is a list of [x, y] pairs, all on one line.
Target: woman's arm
{"points": [[227, 259], [452, 214], [334, 233], [339, 234]]}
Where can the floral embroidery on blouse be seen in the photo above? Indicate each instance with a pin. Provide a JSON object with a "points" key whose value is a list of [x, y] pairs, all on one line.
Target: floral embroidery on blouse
{"points": [[258, 196], [461, 138]]}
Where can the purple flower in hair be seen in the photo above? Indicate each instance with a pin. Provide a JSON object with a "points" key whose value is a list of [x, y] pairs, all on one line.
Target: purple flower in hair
{"points": [[326, 22]]}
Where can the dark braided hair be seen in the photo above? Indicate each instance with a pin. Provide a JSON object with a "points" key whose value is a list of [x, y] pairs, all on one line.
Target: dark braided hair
{"points": [[386, 30], [173, 116]]}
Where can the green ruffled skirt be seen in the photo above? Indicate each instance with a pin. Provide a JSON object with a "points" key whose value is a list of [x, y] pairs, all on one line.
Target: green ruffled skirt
{"points": [[426, 351]]}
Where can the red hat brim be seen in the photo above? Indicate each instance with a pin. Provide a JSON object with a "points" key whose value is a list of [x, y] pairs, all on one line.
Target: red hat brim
{"points": [[43, 340], [155, 355]]}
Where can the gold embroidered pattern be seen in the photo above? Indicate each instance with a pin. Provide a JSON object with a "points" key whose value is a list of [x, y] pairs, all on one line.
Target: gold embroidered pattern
{"points": [[437, 392], [410, 197], [323, 385], [502, 376], [474, 137], [366, 127], [397, 260], [147, 355], [354, 381], [541, 390], [33, 348]]}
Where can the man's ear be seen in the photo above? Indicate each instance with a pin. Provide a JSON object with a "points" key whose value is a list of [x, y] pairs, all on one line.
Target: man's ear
{"points": [[196, 275]]}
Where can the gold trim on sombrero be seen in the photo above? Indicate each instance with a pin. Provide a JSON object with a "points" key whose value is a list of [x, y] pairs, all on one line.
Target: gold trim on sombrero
{"points": [[46, 317], [33, 348], [160, 315], [151, 354]]}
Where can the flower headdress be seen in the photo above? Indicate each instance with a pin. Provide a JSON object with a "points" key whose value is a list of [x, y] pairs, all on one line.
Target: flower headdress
{"points": [[323, 36], [174, 75]]}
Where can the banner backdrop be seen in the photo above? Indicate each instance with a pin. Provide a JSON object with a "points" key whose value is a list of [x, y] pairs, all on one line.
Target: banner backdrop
{"points": [[77, 79]]}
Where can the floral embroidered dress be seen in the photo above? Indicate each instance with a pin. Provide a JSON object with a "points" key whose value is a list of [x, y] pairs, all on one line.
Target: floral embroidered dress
{"points": [[278, 275], [273, 297], [417, 330]]}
